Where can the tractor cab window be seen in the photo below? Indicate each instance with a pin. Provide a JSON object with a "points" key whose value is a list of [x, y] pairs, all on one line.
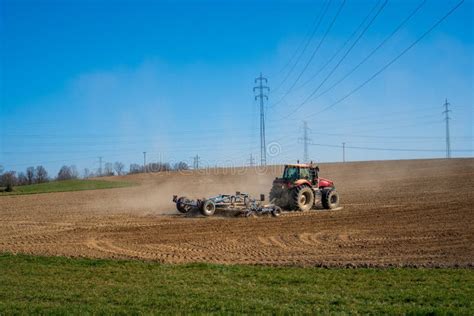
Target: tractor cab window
{"points": [[314, 175], [291, 173], [304, 174]]}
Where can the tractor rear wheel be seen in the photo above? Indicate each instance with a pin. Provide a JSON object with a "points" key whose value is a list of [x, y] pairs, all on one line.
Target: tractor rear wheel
{"points": [[330, 199], [208, 208], [303, 198], [278, 197]]}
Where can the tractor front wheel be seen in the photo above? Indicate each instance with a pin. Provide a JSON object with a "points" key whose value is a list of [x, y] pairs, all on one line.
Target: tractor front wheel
{"points": [[330, 199], [303, 198]]}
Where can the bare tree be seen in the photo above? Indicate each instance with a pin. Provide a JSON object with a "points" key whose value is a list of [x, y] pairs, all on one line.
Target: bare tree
{"points": [[41, 174], [108, 169], [87, 173], [136, 168], [64, 173], [30, 174], [119, 167], [22, 179], [8, 180], [1, 170], [74, 172]]}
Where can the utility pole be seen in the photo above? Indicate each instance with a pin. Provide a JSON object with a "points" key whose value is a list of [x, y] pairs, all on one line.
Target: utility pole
{"points": [[306, 141], [447, 118], [261, 95], [100, 166], [251, 161], [343, 152], [196, 162], [144, 161]]}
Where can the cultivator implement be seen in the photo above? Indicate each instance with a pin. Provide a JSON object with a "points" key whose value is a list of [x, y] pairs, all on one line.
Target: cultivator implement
{"points": [[242, 203]]}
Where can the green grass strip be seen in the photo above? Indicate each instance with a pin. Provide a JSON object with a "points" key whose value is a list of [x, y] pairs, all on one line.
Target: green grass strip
{"points": [[67, 185], [56, 285]]}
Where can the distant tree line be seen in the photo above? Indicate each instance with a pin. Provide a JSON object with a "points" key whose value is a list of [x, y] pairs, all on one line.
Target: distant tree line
{"points": [[32, 175], [35, 175], [157, 167], [67, 173]]}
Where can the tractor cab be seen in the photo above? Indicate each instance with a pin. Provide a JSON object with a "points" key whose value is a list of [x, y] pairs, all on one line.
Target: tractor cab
{"points": [[308, 172]]}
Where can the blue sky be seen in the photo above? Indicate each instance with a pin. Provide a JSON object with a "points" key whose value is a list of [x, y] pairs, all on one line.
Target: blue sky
{"points": [[83, 79]]}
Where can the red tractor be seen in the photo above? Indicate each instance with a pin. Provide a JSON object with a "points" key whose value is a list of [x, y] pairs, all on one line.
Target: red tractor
{"points": [[301, 188]]}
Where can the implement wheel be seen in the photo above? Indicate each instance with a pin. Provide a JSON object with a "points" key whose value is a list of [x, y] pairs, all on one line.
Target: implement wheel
{"points": [[208, 208], [181, 206], [276, 211]]}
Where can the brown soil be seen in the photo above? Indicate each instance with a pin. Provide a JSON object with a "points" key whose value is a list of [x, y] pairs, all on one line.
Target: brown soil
{"points": [[395, 213]]}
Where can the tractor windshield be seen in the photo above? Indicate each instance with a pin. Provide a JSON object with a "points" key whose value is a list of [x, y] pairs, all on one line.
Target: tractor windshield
{"points": [[294, 173], [304, 174], [291, 173]]}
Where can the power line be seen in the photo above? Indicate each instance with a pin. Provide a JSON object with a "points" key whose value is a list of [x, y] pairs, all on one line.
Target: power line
{"points": [[447, 118], [391, 61], [308, 98], [211, 146], [397, 127], [387, 137], [298, 48], [315, 29], [342, 46], [395, 31], [92, 140], [391, 149], [286, 145], [261, 95], [317, 47]]}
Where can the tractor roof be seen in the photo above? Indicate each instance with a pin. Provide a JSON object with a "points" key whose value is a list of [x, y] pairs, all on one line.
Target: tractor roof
{"points": [[302, 165]]}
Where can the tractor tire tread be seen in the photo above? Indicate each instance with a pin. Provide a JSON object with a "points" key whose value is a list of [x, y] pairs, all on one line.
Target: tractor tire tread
{"points": [[327, 195]]}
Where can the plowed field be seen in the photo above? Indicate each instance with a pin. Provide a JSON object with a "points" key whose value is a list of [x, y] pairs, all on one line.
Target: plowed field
{"points": [[395, 213]]}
